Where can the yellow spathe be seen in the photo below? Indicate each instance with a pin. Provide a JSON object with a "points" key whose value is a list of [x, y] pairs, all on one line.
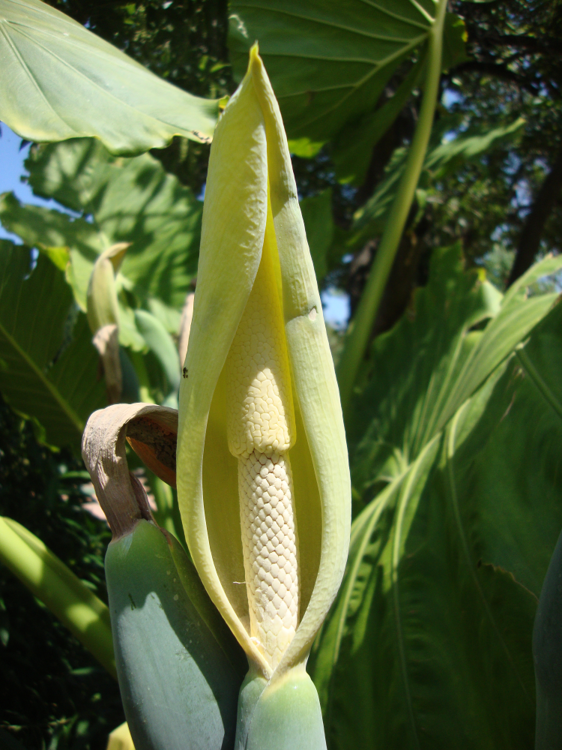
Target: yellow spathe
{"points": [[260, 389]]}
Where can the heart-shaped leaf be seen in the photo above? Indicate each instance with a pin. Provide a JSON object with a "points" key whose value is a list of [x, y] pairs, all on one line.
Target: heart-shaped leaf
{"points": [[61, 81]]}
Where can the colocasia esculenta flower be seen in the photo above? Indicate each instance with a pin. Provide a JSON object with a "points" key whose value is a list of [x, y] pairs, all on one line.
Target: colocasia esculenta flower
{"points": [[263, 480]]}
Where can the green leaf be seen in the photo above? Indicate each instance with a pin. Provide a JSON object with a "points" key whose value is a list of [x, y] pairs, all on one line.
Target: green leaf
{"points": [[443, 356], [9, 742], [57, 255], [456, 456], [120, 200], [328, 62], [48, 365], [61, 81], [356, 141], [421, 626], [168, 316], [72, 244], [129, 200], [447, 156], [547, 656], [49, 230]]}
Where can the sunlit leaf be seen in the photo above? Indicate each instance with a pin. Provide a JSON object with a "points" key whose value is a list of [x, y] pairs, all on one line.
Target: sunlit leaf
{"points": [[118, 200], [329, 63], [61, 81]]}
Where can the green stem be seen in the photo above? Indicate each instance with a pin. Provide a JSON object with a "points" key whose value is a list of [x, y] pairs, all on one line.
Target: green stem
{"points": [[360, 329], [59, 589]]}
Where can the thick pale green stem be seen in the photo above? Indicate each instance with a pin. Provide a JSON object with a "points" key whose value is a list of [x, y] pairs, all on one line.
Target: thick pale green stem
{"points": [[359, 331], [59, 589]]}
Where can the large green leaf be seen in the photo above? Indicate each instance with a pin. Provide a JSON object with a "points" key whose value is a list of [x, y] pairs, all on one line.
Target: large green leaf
{"points": [[61, 81], [328, 61], [48, 365], [120, 200], [443, 355], [457, 439], [53, 232]]}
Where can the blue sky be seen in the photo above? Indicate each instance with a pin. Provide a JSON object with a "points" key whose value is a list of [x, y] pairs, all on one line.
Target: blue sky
{"points": [[11, 172]]}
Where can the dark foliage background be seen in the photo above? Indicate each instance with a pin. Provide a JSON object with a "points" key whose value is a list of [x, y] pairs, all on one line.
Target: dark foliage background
{"points": [[53, 694]]}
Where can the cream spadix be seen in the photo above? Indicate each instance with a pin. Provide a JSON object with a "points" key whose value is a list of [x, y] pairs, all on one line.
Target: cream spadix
{"points": [[262, 472]]}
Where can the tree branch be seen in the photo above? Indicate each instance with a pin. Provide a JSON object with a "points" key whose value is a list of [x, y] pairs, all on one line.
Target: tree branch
{"points": [[534, 225]]}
